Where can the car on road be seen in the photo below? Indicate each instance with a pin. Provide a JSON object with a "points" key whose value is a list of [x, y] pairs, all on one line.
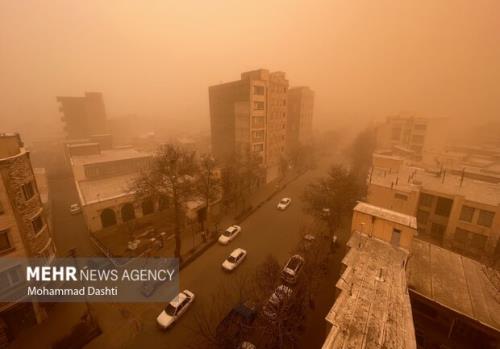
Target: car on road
{"points": [[277, 301], [174, 310], [234, 259], [75, 209], [292, 268], [236, 325], [229, 234], [284, 203]]}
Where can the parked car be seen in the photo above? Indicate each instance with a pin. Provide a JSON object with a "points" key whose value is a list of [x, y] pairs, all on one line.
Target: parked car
{"points": [[229, 234], [75, 209], [247, 345], [292, 268], [235, 325], [277, 301], [234, 259], [175, 309], [284, 203]]}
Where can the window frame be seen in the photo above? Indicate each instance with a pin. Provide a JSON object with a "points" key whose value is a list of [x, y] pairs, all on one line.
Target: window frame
{"points": [[5, 233], [32, 189], [481, 217], [466, 207]]}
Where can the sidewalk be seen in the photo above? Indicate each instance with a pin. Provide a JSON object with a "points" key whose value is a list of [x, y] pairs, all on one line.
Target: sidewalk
{"points": [[63, 316]]}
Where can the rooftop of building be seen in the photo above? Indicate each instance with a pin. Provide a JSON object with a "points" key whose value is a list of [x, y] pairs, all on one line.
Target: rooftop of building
{"points": [[456, 282], [410, 178], [92, 191], [373, 309], [386, 214], [109, 155]]}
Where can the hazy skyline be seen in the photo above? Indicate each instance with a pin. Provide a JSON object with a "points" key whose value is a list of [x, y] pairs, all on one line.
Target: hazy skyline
{"points": [[364, 59]]}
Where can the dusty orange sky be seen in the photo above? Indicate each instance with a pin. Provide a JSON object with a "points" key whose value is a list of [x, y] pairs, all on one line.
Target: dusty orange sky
{"points": [[365, 59]]}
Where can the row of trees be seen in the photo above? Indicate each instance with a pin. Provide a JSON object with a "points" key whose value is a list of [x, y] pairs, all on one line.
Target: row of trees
{"points": [[178, 175]]}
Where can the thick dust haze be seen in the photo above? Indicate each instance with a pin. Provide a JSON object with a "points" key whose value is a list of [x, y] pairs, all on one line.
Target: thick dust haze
{"points": [[364, 59]]}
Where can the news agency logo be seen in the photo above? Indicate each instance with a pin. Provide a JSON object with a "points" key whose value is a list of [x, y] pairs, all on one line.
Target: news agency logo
{"points": [[91, 279]]}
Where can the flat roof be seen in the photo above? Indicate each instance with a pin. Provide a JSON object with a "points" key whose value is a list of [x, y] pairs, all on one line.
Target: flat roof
{"points": [[386, 214], [456, 282], [109, 155], [92, 191], [373, 309], [415, 179]]}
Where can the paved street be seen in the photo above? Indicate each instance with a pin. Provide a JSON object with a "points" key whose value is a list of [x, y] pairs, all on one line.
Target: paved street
{"points": [[267, 231]]}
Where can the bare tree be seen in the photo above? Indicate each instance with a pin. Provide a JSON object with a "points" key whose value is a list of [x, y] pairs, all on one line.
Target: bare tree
{"points": [[209, 184], [331, 198], [169, 175]]}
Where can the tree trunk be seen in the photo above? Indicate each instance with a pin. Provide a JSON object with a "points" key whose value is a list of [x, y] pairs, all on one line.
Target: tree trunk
{"points": [[177, 230]]}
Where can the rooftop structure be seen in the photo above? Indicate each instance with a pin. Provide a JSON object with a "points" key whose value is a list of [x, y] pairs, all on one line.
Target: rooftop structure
{"points": [[455, 282], [373, 308], [386, 214]]}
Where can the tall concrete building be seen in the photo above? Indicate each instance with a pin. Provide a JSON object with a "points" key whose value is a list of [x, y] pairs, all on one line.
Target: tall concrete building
{"points": [[83, 116], [24, 232], [250, 114], [300, 116]]}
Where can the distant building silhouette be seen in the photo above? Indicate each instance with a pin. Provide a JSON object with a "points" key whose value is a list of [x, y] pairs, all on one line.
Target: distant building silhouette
{"points": [[83, 116]]}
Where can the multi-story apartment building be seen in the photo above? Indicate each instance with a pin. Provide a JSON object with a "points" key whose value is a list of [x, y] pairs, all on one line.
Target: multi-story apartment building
{"points": [[83, 116], [24, 232], [300, 117], [452, 209], [412, 136], [250, 114]]}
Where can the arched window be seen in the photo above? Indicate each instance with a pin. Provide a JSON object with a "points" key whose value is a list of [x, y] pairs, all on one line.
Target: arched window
{"points": [[147, 207], [108, 217], [128, 212]]}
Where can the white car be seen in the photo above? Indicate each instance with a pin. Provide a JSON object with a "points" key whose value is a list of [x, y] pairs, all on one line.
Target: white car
{"points": [[175, 309], [75, 209], [284, 203], [229, 234], [292, 268], [234, 259]]}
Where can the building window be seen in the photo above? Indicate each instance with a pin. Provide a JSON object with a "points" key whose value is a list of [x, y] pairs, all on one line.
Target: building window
{"points": [[417, 139], [37, 224], [443, 207], [466, 213], [437, 231], [28, 190], [258, 105], [258, 122], [485, 218], [284, 102], [4, 241], [1, 208], [128, 212], [258, 136], [401, 196], [426, 200], [108, 217], [258, 147], [421, 127], [470, 240], [422, 217], [258, 90]]}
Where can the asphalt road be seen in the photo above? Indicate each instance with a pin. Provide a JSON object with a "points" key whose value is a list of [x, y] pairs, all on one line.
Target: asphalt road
{"points": [[267, 231]]}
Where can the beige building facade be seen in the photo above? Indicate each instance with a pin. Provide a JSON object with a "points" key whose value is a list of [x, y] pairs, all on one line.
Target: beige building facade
{"points": [[250, 115], [452, 210], [24, 230], [300, 117]]}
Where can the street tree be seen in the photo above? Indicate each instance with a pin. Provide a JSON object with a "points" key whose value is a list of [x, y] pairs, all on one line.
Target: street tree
{"points": [[208, 184], [170, 175], [361, 151], [333, 197]]}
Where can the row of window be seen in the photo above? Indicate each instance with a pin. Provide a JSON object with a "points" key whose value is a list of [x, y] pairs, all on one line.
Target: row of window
{"points": [[485, 218], [108, 215]]}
